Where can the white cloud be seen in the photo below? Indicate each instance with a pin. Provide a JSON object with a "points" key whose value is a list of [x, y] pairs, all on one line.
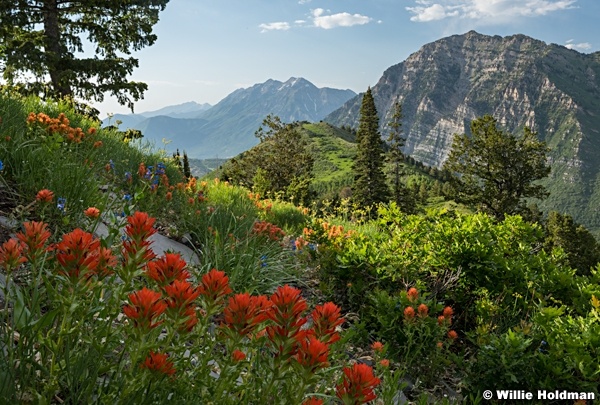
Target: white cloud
{"points": [[491, 10], [583, 46], [304, 1], [337, 20], [274, 26]]}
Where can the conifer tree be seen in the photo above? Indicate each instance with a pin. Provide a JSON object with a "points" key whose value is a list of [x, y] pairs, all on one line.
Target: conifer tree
{"points": [[400, 193], [187, 172], [45, 39], [369, 186]]}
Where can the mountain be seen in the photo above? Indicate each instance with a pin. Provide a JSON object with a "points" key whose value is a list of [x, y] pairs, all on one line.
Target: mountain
{"points": [[185, 110], [228, 127], [519, 80]]}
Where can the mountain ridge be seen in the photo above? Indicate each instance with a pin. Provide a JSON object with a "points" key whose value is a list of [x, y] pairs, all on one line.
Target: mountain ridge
{"points": [[228, 127], [519, 80]]}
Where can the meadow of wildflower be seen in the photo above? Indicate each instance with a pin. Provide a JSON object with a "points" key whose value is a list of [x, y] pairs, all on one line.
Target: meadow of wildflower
{"points": [[286, 305]]}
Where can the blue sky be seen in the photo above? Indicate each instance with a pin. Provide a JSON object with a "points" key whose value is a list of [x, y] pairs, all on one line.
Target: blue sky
{"points": [[208, 48]]}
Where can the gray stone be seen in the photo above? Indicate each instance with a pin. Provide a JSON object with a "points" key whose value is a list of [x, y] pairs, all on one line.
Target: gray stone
{"points": [[160, 245]]}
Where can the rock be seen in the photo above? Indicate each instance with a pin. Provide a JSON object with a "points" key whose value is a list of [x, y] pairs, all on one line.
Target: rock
{"points": [[160, 245]]}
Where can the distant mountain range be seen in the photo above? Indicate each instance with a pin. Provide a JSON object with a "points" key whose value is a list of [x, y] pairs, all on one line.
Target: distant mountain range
{"points": [[227, 128], [519, 80], [186, 110]]}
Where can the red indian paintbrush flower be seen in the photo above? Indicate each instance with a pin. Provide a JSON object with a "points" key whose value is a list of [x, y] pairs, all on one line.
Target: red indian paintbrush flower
{"points": [[44, 195], [357, 386], [448, 312], [238, 355], [180, 294], [409, 313], [326, 318], [452, 334], [146, 306], [215, 286], [34, 239], [140, 226], [158, 362], [312, 354], [412, 294], [106, 262], [11, 254], [92, 212], [244, 312], [423, 310], [77, 254], [167, 269], [286, 314], [377, 346], [313, 401], [137, 251]]}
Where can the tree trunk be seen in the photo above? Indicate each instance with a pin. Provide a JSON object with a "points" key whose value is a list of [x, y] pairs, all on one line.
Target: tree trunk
{"points": [[54, 50]]}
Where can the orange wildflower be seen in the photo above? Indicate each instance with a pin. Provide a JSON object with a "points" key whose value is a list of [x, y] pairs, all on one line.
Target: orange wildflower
{"points": [[181, 294], [238, 355], [244, 312], [146, 306], [215, 286], [77, 254], [169, 196], [312, 354], [452, 334], [97, 144], [92, 212], [286, 314], [158, 362], [448, 312], [326, 318], [106, 262], [34, 239], [358, 384], [167, 269], [384, 362], [44, 195], [11, 254], [140, 226], [91, 131], [412, 294], [409, 313], [377, 346], [313, 401], [441, 320], [423, 310]]}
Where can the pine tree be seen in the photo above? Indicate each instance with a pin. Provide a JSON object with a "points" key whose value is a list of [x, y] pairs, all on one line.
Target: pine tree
{"points": [[44, 38], [187, 172], [369, 186], [395, 159]]}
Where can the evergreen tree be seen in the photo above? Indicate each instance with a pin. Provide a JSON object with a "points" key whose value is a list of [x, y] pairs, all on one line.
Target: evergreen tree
{"points": [[187, 172], [495, 170], [395, 157], [369, 186], [42, 38]]}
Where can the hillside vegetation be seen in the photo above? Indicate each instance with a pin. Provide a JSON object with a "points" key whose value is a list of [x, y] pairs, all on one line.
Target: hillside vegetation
{"points": [[286, 305]]}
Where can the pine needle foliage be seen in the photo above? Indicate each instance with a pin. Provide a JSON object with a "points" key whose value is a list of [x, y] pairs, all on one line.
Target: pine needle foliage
{"points": [[369, 186]]}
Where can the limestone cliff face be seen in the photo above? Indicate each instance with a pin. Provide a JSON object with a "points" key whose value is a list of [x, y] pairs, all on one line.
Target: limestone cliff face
{"points": [[519, 80]]}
